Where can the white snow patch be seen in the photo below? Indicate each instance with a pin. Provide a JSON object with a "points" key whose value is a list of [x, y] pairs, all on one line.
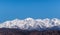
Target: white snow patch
{"points": [[31, 24]]}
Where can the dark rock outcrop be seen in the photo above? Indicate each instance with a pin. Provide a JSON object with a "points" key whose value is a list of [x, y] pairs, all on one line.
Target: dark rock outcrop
{"points": [[6, 31], [49, 32]]}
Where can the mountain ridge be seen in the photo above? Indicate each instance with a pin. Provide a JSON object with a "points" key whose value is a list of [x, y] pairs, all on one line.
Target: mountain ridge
{"points": [[32, 24]]}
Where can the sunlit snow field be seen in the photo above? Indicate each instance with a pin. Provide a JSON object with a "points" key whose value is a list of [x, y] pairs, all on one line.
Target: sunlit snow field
{"points": [[32, 24]]}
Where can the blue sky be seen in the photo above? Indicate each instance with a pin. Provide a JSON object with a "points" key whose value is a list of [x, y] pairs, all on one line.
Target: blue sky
{"points": [[11, 9]]}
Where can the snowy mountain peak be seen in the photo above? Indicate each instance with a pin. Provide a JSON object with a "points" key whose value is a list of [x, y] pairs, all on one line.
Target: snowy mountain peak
{"points": [[31, 24]]}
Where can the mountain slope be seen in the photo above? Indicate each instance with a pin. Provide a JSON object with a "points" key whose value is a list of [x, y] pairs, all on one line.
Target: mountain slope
{"points": [[10, 31], [31, 24]]}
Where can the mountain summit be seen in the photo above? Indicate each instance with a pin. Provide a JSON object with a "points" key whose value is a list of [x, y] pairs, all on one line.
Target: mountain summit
{"points": [[32, 24]]}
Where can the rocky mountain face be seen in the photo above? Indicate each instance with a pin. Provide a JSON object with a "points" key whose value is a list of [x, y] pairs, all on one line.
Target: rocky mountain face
{"points": [[31, 26], [49, 32], [6, 31]]}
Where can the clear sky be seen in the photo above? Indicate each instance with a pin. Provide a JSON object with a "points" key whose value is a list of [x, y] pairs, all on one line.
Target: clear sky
{"points": [[11, 9]]}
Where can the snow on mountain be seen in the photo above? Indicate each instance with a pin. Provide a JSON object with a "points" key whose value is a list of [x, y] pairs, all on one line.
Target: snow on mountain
{"points": [[31, 24]]}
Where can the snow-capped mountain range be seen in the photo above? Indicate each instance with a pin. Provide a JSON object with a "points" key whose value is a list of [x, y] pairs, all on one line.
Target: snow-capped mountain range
{"points": [[31, 24]]}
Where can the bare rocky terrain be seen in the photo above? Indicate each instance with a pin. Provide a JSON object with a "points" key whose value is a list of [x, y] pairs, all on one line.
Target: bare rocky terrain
{"points": [[6, 31]]}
